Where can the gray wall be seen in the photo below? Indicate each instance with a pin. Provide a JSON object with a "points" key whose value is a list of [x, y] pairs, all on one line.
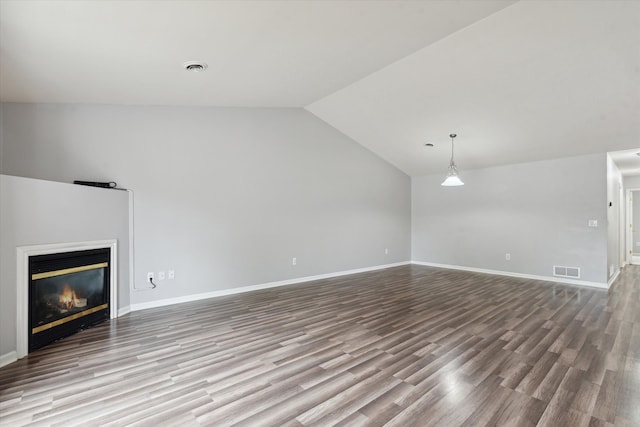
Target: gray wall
{"points": [[225, 197], [538, 212], [631, 182], [36, 212]]}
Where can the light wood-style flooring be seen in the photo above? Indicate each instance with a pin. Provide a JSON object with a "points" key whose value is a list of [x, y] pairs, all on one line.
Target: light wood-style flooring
{"points": [[405, 346]]}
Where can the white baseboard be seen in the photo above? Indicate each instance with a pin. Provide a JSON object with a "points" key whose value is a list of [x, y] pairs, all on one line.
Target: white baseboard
{"points": [[243, 289], [518, 275], [10, 357], [613, 278]]}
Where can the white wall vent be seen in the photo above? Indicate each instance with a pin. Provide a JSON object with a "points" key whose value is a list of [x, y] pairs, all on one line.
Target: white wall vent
{"points": [[570, 272]]}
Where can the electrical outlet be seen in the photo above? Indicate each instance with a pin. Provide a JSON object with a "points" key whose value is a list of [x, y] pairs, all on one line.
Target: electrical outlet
{"points": [[149, 276], [386, 251], [160, 275], [294, 261], [171, 274], [593, 223], [507, 257]]}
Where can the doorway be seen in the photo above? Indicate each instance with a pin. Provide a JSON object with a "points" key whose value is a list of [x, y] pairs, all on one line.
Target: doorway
{"points": [[633, 229]]}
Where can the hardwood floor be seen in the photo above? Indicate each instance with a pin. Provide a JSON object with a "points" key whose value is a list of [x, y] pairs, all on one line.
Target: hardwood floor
{"points": [[405, 346]]}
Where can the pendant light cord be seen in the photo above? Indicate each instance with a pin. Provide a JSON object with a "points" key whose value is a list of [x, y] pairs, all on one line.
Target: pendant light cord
{"points": [[452, 179], [452, 136], [451, 162]]}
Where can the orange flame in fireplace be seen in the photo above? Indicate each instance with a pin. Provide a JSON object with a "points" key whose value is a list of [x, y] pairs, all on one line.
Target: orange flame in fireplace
{"points": [[67, 297]]}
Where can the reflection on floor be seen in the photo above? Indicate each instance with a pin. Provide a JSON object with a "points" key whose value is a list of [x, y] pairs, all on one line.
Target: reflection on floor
{"points": [[409, 345]]}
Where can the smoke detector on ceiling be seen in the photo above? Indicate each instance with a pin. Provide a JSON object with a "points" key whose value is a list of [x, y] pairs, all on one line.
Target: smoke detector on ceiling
{"points": [[195, 66]]}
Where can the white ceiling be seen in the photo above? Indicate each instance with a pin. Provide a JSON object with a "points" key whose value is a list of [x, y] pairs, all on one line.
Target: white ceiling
{"points": [[260, 53], [518, 82], [537, 80], [628, 161]]}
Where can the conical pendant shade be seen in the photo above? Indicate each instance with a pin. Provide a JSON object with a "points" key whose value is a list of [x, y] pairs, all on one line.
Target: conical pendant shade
{"points": [[452, 181]]}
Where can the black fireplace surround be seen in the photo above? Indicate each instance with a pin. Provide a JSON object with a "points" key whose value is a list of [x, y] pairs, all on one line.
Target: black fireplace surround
{"points": [[68, 292]]}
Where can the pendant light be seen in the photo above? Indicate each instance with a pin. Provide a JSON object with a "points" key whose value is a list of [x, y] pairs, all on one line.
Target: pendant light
{"points": [[452, 178]]}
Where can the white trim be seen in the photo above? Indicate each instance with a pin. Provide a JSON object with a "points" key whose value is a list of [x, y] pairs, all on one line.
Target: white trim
{"points": [[518, 275], [628, 252], [613, 278], [132, 246], [628, 240], [124, 310], [22, 281], [10, 357], [243, 289], [622, 235]]}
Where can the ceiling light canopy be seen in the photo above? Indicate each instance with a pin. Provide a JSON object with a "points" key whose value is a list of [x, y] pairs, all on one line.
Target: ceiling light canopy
{"points": [[452, 179]]}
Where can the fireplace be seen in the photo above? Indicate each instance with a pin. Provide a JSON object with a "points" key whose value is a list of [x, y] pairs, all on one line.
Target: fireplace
{"points": [[63, 288], [67, 292]]}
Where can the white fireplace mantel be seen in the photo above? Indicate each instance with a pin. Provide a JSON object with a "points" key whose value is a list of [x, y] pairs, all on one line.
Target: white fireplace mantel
{"points": [[22, 282]]}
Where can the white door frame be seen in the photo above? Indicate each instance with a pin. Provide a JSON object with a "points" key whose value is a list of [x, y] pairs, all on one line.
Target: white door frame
{"points": [[628, 224], [622, 258]]}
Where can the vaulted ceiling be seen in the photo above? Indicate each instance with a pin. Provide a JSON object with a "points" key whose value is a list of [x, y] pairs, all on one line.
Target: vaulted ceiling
{"points": [[517, 81]]}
